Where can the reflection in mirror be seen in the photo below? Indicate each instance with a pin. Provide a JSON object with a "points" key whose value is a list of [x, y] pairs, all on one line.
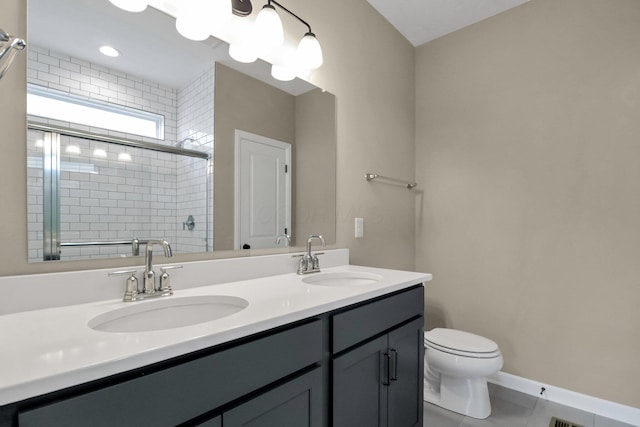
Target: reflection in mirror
{"points": [[97, 187]]}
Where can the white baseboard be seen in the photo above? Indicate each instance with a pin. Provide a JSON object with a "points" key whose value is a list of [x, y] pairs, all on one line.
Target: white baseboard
{"points": [[605, 408]]}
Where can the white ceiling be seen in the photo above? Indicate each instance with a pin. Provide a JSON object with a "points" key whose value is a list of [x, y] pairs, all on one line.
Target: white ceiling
{"points": [[421, 21]]}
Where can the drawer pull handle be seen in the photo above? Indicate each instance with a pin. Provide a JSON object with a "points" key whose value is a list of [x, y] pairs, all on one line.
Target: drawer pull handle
{"points": [[393, 365]]}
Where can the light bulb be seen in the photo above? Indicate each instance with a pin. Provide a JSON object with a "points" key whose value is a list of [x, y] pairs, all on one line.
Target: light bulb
{"points": [[220, 13], [192, 19], [131, 5], [282, 73], [268, 27], [242, 51], [309, 52]]}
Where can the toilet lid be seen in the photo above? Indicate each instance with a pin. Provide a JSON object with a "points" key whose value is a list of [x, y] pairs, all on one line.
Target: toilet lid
{"points": [[458, 340]]}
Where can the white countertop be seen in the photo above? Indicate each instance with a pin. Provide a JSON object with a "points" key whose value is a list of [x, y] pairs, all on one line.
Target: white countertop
{"points": [[53, 348]]}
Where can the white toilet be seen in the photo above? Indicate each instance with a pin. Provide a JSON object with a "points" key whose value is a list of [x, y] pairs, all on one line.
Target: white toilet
{"points": [[456, 366]]}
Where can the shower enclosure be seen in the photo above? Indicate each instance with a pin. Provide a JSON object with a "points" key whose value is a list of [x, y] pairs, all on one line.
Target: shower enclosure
{"points": [[94, 196]]}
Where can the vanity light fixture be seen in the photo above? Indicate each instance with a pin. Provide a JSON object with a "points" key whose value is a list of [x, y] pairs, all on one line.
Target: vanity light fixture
{"points": [[196, 18], [109, 51], [309, 52], [131, 5], [269, 32]]}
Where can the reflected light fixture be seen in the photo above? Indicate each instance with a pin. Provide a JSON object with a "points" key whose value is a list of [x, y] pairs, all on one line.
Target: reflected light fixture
{"points": [[99, 152], [196, 18], [242, 46], [72, 149], [282, 73], [124, 157], [243, 51], [131, 5]]}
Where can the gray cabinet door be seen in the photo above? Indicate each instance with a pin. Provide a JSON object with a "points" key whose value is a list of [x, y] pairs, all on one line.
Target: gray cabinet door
{"points": [[297, 403], [359, 393], [406, 350]]}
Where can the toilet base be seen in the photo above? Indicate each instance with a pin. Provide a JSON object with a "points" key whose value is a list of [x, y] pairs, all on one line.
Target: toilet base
{"points": [[468, 397]]}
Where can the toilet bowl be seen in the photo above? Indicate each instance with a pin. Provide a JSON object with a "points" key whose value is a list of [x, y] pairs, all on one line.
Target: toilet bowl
{"points": [[456, 366]]}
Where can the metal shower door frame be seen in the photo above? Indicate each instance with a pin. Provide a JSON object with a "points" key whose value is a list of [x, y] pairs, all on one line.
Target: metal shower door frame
{"points": [[51, 196]]}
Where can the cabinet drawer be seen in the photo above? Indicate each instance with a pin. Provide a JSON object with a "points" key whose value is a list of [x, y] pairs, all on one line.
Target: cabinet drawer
{"points": [[297, 403], [180, 393], [360, 323]]}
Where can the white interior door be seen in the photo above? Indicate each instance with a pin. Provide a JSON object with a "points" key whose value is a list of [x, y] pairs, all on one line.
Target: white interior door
{"points": [[263, 190]]}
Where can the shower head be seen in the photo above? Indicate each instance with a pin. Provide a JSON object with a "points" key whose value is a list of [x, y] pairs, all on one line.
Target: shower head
{"points": [[180, 144], [9, 47]]}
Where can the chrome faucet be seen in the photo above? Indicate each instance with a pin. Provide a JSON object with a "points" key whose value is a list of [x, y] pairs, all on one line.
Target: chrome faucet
{"points": [[309, 262], [149, 275], [283, 236], [149, 288]]}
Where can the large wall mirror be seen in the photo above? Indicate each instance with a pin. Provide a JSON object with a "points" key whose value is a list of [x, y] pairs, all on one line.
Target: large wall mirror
{"points": [[171, 139]]}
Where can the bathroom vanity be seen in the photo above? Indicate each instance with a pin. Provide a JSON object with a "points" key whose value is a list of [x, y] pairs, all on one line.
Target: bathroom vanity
{"points": [[341, 352]]}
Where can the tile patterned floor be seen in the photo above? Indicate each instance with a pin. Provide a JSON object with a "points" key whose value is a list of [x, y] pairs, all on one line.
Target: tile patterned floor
{"points": [[513, 409]]}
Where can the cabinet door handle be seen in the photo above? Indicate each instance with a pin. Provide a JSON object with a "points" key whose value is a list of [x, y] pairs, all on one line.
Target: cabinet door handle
{"points": [[385, 369], [393, 365]]}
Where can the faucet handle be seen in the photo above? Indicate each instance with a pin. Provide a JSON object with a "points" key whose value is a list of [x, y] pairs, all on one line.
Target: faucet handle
{"points": [[285, 236], [165, 279], [123, 273], [170, 267], [131, 291]]}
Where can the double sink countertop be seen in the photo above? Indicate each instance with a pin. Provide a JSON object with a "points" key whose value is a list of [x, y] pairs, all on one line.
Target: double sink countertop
{"points": [[49, 349]]}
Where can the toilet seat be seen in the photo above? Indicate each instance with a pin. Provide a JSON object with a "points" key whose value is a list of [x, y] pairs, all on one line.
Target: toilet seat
{"points": [[461, 343]]}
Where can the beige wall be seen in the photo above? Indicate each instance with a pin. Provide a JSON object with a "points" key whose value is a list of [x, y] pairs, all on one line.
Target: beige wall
{"points": [[528, 147], [247, 104], [314, 200], [368, 65]]}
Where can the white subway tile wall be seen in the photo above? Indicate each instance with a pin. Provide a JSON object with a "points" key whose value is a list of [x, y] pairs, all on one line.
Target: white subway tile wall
{"points": [[103, 197], [195, 128]]}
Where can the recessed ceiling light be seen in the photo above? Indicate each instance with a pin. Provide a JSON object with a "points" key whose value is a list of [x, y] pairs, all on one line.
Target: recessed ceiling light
{"points": [[109, 51]]}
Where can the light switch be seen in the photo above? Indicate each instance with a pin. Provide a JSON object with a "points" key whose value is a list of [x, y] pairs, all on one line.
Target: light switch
{"points": [[359, 228]]}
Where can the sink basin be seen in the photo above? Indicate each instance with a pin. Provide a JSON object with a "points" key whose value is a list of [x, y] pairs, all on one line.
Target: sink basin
{"points": [[342, 278], [167, 313]]}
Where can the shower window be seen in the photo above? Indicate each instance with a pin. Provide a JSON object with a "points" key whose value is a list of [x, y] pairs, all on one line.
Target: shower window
{"points": [[57, 105]]}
